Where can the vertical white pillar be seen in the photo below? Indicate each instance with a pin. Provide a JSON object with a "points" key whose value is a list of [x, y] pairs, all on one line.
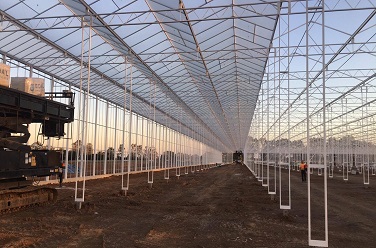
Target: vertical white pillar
{"points": [[67, 147], [154, 132], [51, 98], [142, 145], [268, 129], [136, 142], [150, 139], [95, 136], [115, 147], [124, 187], [105, 140], [85, 110], [288, 102], [310, 10], [167, 152], [365, 122], [185, 158], [130, 127], [159, 131]]}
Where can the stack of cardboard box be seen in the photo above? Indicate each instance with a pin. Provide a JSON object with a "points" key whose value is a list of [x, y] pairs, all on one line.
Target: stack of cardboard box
{"points": [[4, 75], [29, 85]]}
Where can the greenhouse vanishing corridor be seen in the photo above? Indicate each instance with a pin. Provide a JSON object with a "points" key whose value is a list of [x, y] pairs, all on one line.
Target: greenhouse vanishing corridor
{"points": [[176, 123]]}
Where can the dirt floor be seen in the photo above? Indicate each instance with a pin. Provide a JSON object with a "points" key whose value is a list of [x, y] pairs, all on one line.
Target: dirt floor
{"points": [[220, 207]]}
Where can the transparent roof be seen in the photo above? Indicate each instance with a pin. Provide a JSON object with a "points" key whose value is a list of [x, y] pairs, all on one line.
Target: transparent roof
{"points": [[206, 58]]}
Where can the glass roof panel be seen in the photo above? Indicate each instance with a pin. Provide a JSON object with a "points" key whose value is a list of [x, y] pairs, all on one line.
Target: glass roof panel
{"points": [[5, 5], [191, 54]]}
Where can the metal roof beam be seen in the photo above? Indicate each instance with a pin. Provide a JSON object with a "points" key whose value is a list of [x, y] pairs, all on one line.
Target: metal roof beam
{"points": [[104, 30]]}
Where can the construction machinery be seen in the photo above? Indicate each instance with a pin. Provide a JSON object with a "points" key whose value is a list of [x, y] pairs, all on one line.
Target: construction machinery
{"points": [[238, 157], [19, 164]]}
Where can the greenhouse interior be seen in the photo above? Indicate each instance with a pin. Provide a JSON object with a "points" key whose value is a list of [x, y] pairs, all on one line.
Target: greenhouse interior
{"points": [[280, 92]]}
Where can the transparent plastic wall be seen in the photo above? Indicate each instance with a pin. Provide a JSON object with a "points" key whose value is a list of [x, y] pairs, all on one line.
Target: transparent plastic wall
{"points": [[227, 158], [112, 135]]}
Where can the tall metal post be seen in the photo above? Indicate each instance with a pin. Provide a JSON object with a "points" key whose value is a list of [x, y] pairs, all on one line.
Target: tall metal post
{"points": [[67, 147], [136, 143], [85, 111], [142, 144], [105, 140], [115, 132], [150, 158], [154, 133], [130, 127], [159, 144], [313, 10], [124, 188], [288, 102], [267, 130], [95, 136]]}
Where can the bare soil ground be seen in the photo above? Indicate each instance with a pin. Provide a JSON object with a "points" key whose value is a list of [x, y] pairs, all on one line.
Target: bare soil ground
{"points": [[220, 207]]}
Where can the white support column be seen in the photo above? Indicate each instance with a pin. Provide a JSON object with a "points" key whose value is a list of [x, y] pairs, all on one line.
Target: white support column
{"points": [[199, 148], [159, 131], [115, 147], [167, 153], [67, 147], [154, 131], [185, 156], [177, 153], [288, 101], [206, 155], [179, 142], [266, 184], [203, 149], [136, 143], [365, 122], [346, 163], [85, 110], [332, 146], [169, 150], [310, 11], [151, 152], [95, 136], [124, 183], [272, 191], [123, 188], [142, 144], [130, 126], [147, 148], [193, 151], [30, 75], [105, 140], [287, 70], [51, 98]]}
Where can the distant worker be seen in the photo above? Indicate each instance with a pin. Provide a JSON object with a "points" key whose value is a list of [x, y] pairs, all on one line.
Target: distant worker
{"points": [[303, 170]]}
